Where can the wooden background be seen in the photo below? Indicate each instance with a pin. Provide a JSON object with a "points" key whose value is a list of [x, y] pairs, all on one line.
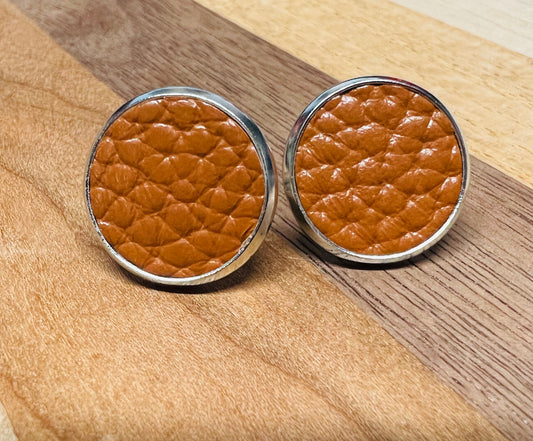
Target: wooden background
{"points": [[294, 345]]}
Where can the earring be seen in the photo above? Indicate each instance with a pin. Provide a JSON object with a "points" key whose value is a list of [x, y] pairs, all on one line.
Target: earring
{"points": [[180, 186], [376, 170]]}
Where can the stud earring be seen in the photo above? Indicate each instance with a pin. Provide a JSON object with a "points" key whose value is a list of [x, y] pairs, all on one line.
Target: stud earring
{"points": [[376, 170], [180, 186]]}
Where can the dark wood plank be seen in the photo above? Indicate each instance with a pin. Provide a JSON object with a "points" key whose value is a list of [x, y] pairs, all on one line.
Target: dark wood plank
{"points": [[463, 308]]}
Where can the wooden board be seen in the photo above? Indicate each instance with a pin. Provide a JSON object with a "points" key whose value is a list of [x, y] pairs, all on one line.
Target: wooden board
{"points": [[506, 24], [477, 80], [278, 349]]}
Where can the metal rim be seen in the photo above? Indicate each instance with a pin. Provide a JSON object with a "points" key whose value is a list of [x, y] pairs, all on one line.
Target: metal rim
{"points": [[289, 176], [253, 241]]}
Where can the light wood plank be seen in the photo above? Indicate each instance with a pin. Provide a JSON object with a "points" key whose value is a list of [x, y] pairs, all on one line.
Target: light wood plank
{"points": [[6, 430], [506, 23], [488, 88]]}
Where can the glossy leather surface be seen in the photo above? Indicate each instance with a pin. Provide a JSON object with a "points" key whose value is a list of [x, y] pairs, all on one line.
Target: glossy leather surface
{"points": [[378, 169], [176, 186]]}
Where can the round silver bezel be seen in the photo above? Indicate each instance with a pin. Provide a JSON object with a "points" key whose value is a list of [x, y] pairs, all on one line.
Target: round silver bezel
{"points": [[289, 177], [253, 241]]}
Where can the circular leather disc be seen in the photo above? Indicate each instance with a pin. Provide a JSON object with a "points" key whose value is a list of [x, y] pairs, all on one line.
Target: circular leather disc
{"points": [[177, 186], [376, 170]]}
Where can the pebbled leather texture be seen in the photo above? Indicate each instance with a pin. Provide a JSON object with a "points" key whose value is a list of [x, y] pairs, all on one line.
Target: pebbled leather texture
{"points": [[176, 186], [378, 169]]}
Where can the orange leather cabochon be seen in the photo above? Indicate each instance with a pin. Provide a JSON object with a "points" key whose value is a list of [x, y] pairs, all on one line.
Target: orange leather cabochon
{"points": [[176, 186], [378, 169]]}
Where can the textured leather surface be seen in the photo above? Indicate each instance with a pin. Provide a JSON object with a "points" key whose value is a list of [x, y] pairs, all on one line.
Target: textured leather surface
{"points": [[176, 186], [378, 169]]}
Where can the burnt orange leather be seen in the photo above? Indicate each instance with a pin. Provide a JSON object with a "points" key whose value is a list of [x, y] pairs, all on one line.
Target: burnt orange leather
{"points": [[176, 186], [378, 169]]}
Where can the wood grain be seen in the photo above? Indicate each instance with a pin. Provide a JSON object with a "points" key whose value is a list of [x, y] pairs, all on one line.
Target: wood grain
{"points": [[6, 430], [442, 306], [508, 25], [89, 353], [473, 77], [111, 343]]}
